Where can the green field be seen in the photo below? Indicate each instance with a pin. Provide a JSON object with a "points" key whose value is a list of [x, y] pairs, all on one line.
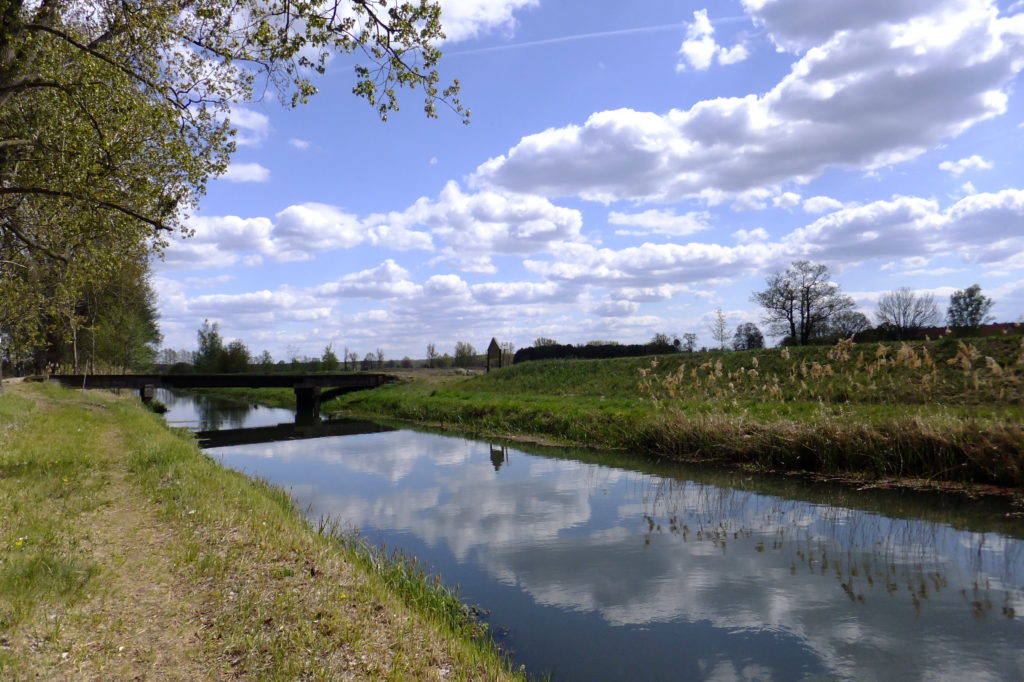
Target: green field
{"points": [[939, 410]]}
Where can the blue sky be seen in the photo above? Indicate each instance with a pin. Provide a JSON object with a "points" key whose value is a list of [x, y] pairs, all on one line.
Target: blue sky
{"points": [[629, 168]]}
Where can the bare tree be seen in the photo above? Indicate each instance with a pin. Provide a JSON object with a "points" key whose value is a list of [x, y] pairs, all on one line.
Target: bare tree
{"points": [[380, 358], [432, 355], [719, 329], [690, 342], [800, 301], [906, 312]]}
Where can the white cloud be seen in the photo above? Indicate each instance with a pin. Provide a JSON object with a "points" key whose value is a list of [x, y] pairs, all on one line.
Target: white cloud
{"points": [[304, 229], [656, 221], [387, 280], [957, 168], [299, 144], [615, 308], [821, 204], [786, 200], [758, 234], [465, 19], [876, 94], [475, 227], [246, 172], [700, 49], [251, 126]]}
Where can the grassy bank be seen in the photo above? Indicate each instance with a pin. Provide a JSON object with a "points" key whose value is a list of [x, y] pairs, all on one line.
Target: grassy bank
{"points": [[939, 410], [125, 553]]}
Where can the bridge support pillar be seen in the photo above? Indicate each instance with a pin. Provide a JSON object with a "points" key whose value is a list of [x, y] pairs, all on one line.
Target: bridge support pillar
{"points": [[307, 404], [147, 393]]}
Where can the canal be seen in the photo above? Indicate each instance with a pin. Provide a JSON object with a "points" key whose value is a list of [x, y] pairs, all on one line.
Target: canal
{"points": [[594, 566]]}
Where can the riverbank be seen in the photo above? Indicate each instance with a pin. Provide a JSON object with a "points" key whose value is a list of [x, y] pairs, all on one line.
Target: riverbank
{"points": [[946, 410], [125, 553]]}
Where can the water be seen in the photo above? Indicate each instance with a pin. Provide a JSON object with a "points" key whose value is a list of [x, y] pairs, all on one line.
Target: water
{"points": [[600, 567]]}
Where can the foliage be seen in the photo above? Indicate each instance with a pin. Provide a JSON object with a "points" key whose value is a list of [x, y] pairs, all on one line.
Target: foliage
{"points": [[592, 350], [114, 115], [465, 354], [800, 302], [906, 312], [235, 359], [847, 323], [968, 309], [211, 347], [329, 361], [747, 337], [544, 341]]}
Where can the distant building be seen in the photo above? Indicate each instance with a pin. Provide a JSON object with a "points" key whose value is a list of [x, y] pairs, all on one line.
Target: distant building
{"points": [[494, 355]]}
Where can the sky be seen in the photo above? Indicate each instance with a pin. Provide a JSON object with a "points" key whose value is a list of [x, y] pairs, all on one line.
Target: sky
{"points": [[629, 168]]}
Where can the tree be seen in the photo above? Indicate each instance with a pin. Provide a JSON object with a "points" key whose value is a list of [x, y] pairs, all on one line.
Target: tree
{"points": [[906, 312], [969, 309], [236, 358], [689, 342], [847, 324], [113, 116], [544, 341], [800, 301], [265, 361], [465, 354], [747, 337], [368, 361], [719, 330], [329, 361], [406, 362], [210, 356], [432, 355], [508, 351], [380, 358], [352, 357]]}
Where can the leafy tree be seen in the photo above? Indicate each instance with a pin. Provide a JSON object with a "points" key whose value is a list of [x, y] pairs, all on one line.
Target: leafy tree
{"points": [[719, 330], [465, 354], [905, 312], [210, 356], [265, 361], [329, 361], [969, 309], [406, 362], [235, 359], [848, 323], [800, 301], [113, 115], [747, 337], [544, 341]]}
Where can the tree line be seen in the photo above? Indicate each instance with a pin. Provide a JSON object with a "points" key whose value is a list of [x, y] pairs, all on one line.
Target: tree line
{"points": [[113, 117]]}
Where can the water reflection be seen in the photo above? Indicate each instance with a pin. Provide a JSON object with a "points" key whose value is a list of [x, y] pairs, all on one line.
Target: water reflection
{"points": [[598, 572], [200, 412]]}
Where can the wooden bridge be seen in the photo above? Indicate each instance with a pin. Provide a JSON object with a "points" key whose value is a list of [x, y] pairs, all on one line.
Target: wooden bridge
{"points": [[310, 389]]}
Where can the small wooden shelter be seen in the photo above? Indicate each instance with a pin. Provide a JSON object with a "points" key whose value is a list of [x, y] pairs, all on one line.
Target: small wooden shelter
{"points": [[494, 355]]}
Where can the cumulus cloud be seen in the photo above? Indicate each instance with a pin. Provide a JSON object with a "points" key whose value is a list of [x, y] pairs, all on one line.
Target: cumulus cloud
{"points": [[387, 280], [466, 19], [299, 144], [887, 87], [246, 172], [474, 227], [821, 204], [656, 221], [957, 168], [251, 127], [700, 49]]}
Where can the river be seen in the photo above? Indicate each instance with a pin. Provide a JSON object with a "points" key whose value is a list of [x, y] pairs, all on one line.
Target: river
{"points": [[596, 566]]}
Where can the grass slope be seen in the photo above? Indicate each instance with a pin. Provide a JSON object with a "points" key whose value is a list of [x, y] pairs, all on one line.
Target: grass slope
{"points": [[125, 553], [946, 409]]}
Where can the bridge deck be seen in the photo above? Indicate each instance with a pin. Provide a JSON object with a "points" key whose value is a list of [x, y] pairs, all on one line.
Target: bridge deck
{"points": [[351, 381]]}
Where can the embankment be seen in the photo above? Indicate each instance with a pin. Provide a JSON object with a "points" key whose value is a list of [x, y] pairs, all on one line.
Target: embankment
{"points": [[125, 552], [946, 410]]}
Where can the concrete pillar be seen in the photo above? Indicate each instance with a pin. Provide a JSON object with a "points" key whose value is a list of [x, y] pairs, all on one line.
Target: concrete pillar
{"points": [[307, 403], [147, 393]]}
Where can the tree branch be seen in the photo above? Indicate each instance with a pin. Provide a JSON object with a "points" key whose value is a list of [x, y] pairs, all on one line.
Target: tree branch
{"points": [[155, 224]]}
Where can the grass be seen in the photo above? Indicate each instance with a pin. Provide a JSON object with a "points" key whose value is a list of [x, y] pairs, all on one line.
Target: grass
{"points": [[125, 552], [940, 410]]}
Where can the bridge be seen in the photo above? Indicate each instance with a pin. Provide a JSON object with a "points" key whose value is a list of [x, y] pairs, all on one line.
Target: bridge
{"points": [[311, 390]]}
